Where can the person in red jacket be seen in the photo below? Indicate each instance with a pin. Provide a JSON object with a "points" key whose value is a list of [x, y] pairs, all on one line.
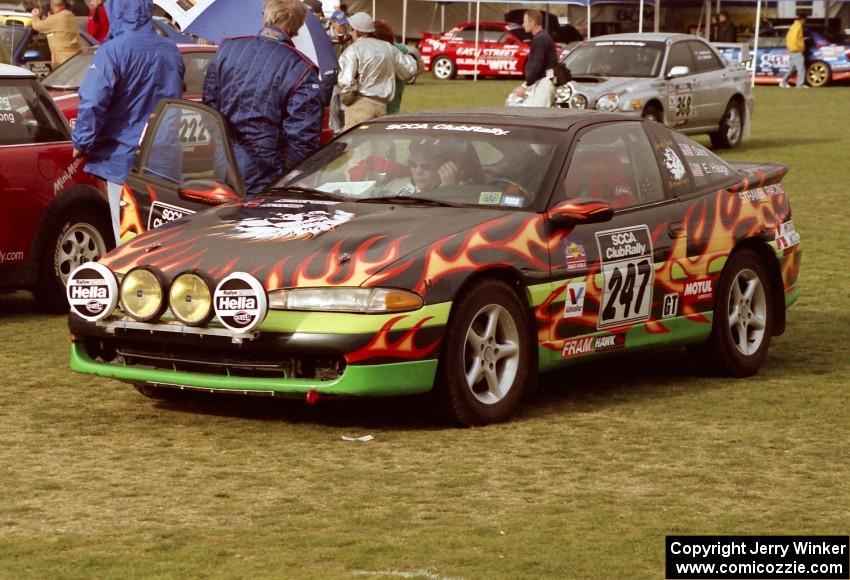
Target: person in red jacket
{"points": [[98, 24]]}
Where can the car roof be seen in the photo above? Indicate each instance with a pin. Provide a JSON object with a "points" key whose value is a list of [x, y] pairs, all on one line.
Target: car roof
{"points": [[7, 70], [552, 118], [647, 36]]}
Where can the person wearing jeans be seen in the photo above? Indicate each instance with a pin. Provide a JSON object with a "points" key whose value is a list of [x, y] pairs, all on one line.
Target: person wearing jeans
{"points": [[796, 44]]}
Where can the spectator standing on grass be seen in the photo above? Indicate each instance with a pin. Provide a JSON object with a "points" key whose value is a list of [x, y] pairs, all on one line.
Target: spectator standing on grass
{"points": [[127, 78], [538, 89], [269, 96], [368, 71], [384, 31], [60, 27], [796, 43], [98, 23], [726, 31]]}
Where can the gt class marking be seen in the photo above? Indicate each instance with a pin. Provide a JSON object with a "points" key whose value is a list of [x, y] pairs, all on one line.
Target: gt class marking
{"points": [[627, 275], [670, 305]]}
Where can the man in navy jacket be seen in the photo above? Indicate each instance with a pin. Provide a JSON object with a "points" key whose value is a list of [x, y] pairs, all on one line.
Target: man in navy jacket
{"points": [[269, 95], [128, 76]]}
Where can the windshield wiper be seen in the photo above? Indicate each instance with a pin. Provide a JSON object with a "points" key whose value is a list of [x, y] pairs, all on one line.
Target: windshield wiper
{"points": [[409, 200], [307, 190]]}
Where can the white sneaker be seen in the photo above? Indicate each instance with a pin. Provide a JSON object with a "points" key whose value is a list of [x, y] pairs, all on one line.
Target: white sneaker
{"points": [[802, 86], [784, 85]]}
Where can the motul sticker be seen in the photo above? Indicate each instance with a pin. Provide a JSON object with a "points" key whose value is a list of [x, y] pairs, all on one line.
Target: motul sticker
{"points": [[92, 291], [240, 302]]}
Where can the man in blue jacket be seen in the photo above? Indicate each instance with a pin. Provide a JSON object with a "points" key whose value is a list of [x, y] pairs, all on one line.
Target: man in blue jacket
{"points": [[269, 95], [128, 76]]}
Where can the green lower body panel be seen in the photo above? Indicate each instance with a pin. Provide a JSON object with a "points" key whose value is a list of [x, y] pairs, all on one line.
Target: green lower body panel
{"points": [[404, 378]]}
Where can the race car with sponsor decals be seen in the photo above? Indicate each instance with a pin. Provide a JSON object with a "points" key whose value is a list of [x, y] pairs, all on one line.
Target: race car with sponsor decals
{"points": [[28, 48], [502, 50], [676, 79], [827, 57], [53, 215], [64, 83], [456, 252]]}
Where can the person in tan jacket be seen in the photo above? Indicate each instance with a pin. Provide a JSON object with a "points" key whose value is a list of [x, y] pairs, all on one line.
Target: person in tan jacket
{"points": [[60, 27]]}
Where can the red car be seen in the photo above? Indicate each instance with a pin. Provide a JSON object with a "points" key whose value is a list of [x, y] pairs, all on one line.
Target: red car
{"points": [[64, 82], [502, 50], [53, 215]]}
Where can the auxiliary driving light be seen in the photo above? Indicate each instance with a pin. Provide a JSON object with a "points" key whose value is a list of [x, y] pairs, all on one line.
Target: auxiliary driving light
{"points": [[190, 299], [143, 294]]}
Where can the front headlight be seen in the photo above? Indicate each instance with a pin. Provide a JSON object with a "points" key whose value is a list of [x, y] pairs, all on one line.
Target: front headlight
{"points": [[563, 94], [608, 102], [578, 102], [358, 300], [143, 294], [190, 299]]}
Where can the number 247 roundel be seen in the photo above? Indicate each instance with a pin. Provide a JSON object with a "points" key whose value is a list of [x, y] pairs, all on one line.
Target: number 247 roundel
{"points": [[627, 275]]}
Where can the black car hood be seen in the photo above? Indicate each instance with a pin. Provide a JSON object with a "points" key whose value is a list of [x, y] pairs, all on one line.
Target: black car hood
{"points": [[289, 243]]}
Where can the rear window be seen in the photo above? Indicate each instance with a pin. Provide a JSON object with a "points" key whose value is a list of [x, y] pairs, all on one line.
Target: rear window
{"points": [[707, 169]]}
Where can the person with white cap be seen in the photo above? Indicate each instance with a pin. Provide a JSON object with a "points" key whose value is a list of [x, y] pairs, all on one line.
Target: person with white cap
{"points": [[368, 69]]}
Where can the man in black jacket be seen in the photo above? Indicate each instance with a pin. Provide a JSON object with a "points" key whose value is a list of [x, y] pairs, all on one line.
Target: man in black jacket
{"points": [[726, 31], [539, 66]]}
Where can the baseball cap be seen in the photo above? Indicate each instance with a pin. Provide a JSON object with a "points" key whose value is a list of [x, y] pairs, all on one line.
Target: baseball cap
{"points": [[339, 17], [362, 22]]}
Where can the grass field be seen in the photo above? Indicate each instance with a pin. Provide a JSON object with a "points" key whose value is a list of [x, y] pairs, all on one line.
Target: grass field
{"points": [[97, 481]]}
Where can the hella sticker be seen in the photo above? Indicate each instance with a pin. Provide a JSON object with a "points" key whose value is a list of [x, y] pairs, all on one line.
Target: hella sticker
{"points": [[92, 291], [240, 302]]}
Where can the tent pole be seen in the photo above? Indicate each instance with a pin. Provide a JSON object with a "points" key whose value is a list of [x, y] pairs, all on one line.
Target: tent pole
{"points": [[640, 19], [477, 27], [708, 20], [374, 13], [404, 23], [442, 17], [756, 43], [656, 17], [588, 20]]}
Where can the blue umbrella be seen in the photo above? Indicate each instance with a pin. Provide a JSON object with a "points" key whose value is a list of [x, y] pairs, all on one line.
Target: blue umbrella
{"points": [[218, 19]]}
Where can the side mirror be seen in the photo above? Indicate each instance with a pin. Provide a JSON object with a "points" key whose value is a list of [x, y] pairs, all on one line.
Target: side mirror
{"points": [[31, 55], [580, 211], [678, 71], [207, 192]]}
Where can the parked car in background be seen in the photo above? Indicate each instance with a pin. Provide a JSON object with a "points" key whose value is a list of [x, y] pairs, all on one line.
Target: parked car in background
{"points": [[502, 50], [827, 57], [561, 236], [166, 29], [53, 215], [676, 79], [64, 83], [29, 48]]}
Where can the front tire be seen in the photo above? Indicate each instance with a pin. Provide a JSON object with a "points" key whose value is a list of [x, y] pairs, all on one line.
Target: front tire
{"points": [[486, 357], [652, 112], [79, 237], [743, 316], [731, 130], [443, 68], [818, 74]]}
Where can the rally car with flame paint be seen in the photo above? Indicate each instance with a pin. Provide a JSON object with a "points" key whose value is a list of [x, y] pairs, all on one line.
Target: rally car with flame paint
{"points": [[677, 79], [502, 50], [53, 215], [451, 252]]}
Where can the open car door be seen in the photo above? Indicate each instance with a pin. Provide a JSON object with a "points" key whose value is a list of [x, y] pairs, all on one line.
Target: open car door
{"points": [[185, 164]]}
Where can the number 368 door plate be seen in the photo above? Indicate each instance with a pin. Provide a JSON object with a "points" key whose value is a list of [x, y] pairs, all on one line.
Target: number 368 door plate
{"points": [[628, 275]]}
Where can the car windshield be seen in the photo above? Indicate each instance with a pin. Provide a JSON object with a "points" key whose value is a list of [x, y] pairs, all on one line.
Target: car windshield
{"points": [[441, 163], [10, 37], [621, 58], [70, 74]]}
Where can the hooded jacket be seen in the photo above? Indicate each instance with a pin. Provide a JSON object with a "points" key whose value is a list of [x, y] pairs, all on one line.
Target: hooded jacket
{"points": [[270, 98], [128, 76]]}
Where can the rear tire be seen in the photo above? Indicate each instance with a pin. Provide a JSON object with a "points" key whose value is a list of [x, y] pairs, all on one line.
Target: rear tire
{"points": [[79, 237], [443, 68], [486, 357], [818, 74], [731, 130], [743, 317]]}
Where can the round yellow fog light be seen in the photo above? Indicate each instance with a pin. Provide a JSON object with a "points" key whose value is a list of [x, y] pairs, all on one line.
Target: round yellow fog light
{"points": [[143, 294], [190, 299]]}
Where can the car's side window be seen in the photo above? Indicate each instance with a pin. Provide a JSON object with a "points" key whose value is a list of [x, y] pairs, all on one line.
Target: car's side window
{"points": [[196, 64], [706, 168], [614, 163], [680, 55], [25, 118], [704, 58], [187, 144]]}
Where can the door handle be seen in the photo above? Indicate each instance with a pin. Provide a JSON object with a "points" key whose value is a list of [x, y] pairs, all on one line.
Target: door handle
{"points": [[677, 230]]}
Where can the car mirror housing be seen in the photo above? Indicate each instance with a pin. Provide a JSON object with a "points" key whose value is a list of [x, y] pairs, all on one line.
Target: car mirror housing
{"points": [[208, 192], [580, 211], [678, 71]]}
